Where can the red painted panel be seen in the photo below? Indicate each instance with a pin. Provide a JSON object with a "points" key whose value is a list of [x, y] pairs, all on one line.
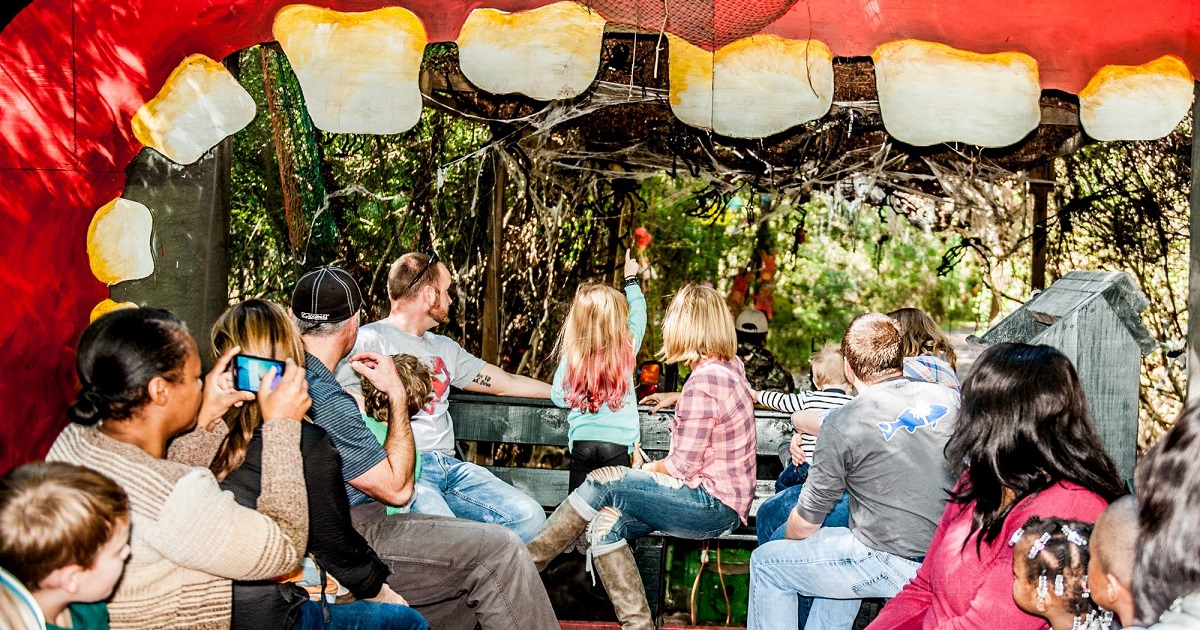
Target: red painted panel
{"points": [[73, 72], [48, 293]]}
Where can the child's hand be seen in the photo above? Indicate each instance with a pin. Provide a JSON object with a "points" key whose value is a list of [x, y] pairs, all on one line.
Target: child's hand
{"points": [[632, 266], [660, 400], [637, 460], [388, 596]]}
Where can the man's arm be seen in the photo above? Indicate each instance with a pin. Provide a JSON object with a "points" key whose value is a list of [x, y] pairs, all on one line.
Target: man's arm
{"points": [[391, 480], [826, 481], [808, 420], [798, 528], [493, 380]]}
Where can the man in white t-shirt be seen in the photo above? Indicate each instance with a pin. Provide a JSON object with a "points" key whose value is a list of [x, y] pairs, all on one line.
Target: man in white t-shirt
{"points": [[419, 290]]}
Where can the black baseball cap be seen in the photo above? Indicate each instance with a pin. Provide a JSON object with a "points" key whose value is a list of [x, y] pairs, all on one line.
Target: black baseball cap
{"points": [[326, 294]]}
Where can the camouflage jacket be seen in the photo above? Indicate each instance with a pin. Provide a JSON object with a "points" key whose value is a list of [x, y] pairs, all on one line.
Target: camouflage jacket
{"points": [[763, 370]]}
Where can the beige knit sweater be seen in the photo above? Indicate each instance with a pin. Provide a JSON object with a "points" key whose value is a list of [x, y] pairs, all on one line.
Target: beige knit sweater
{"points": [[189, 539]]}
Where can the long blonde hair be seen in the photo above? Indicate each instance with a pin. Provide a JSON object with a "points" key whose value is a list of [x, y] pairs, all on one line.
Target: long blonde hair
{"points": [[262, 329], [598, 348], [697, 325], [921, 335]]}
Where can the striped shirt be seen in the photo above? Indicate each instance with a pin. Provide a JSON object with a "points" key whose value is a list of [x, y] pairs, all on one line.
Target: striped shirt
{"points": [[713, 436], [824, 399], [335, 411]]}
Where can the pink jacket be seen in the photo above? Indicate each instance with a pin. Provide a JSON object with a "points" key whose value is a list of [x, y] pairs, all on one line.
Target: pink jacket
{"points": [[956, 589]]}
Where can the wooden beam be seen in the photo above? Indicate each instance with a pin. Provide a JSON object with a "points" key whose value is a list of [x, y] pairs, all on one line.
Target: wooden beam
{"points": [[1041, 193], [491, 296], [1193, 334]]}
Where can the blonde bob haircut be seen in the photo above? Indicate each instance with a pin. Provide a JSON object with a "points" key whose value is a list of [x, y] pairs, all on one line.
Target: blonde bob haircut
{"points": [[698, 325]]}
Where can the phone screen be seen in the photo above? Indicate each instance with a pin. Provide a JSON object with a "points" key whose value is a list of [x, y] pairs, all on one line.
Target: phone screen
{"points": [[248, 372]]}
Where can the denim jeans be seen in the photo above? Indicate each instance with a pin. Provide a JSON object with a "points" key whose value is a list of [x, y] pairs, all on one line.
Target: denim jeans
{"points": [[831, 565], [451, 487], [771, 524], [359, 615], [624, 504], [771, 521], [792, 475]]}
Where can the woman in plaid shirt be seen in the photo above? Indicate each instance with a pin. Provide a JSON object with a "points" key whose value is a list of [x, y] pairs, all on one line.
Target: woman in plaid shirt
{"points": [[702, 489]]}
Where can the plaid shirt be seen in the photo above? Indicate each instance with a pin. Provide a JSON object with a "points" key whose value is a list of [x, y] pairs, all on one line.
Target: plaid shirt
{"points": [[931, 369], [713, 436]]}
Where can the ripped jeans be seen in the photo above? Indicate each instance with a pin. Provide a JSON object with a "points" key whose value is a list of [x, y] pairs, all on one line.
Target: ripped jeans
{"points": [[624, 504]]}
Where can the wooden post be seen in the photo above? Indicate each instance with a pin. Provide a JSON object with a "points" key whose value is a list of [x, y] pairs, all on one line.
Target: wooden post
{"points": [[1040, 192], [190, 205], [1193, 333], [491, 294]]}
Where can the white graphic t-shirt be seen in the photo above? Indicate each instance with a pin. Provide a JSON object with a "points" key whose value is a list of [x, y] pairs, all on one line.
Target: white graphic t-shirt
{"points": [[449, 363]]}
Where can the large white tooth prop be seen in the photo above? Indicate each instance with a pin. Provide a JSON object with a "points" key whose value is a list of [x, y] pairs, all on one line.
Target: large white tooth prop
{"points": [[118, 242], [198, 106], [1143, 102], [547, 53], [359, 71], [753, 87], [931, 93]]}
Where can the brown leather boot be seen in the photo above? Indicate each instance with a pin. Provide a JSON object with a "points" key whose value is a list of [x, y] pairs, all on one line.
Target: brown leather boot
{"points": [[619, 574], [560, 530]]}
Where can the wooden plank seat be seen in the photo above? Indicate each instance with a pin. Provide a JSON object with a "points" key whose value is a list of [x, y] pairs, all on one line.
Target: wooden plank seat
{"points": [[481, 417]]}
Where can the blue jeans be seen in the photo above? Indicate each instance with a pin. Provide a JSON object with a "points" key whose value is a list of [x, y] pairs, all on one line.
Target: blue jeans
{"points": [[624, 504], [771, 524], [832, 566], [792, 475], [771, 521], [451, 487], [359, 615]]}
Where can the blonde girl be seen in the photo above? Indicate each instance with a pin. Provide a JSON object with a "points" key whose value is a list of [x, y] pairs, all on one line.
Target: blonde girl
{"points": [[702, 489], [598, 349]]}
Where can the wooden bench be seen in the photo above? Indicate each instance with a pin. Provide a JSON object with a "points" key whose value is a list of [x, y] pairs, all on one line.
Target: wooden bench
{"points": [[486, 418]]}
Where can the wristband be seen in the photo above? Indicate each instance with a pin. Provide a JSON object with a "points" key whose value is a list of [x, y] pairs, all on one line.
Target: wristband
{"points": [[631, 281]]}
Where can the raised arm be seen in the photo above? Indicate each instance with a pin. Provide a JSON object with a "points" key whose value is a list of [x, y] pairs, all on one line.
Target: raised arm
{"points": [[391, 479], [200, 446], [493, 380]]}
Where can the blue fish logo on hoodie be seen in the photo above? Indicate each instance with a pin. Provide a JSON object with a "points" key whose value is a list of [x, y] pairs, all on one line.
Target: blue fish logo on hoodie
{"points": [[913, 418]]}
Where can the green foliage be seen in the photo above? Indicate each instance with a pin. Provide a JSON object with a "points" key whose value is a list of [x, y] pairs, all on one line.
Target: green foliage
{"points": [[834, 261]]}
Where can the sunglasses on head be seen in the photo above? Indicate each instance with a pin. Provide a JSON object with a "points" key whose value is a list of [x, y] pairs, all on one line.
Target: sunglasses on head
{"points": [[433, 258]]}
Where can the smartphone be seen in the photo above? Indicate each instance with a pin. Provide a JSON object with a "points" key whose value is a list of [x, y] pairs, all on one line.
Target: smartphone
{"points": [[248, 372]]}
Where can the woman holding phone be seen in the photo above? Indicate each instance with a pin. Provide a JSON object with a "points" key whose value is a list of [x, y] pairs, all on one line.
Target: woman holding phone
{"points": [[263, 329], [141, 386]]}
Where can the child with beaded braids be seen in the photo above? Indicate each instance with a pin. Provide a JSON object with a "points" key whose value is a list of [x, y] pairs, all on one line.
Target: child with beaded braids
{"points": [[1050, 560]]}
